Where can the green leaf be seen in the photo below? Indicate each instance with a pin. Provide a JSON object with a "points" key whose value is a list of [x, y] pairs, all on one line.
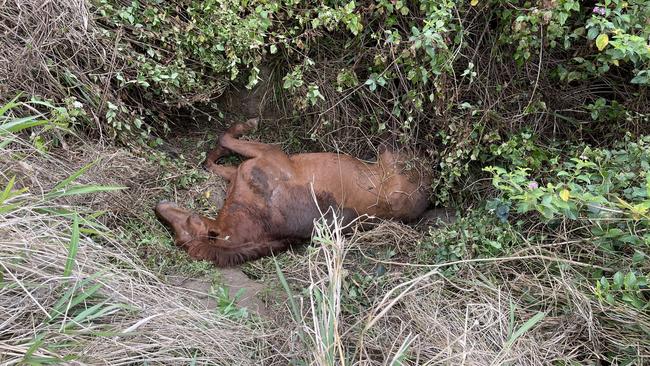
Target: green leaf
{"points": [[79, 190], [592, 33], [65, 301], [38, 341], [638, 257], [601, 41], [643, 77], [9, 105], [618, 280], [96, 311], [17, 125], [528, 325], [74, 246], [5, 194], [372, 85], [74, 175], [9, 207], [630, 281], [287, 289], [565, 195]]}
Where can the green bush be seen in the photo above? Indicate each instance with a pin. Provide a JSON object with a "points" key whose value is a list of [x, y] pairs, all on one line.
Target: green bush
{"points": [[602, 196]]}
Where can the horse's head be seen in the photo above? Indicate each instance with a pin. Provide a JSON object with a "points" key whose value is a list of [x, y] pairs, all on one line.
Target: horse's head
{"points": [[188, 227]]}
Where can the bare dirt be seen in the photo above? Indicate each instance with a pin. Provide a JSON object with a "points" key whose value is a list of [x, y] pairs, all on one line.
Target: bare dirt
{"points": [[233, 279]]}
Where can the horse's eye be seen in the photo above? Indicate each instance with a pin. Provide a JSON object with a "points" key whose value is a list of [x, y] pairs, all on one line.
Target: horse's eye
{"points": [[213, 234]]}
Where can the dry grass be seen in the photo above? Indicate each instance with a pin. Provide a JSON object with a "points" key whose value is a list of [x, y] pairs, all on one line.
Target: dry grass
{"points": [[523, 310], [51, 47], [110, 166], [414, 314], [100, 305]]}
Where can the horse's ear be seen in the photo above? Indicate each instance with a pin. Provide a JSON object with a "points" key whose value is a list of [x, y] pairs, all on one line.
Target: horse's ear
{"points": [[195, 225]]}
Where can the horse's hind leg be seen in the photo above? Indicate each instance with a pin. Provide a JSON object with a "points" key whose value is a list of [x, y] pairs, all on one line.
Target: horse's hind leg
{"points": [[249, 149], [229, 143], [227, 172], [236, 131]]}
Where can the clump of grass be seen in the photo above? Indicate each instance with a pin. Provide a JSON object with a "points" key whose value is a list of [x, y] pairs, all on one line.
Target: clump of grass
{"points": [[322, 331]]}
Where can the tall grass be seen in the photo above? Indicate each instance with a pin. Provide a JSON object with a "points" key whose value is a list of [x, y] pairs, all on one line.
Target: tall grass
{"points": [[320, 326]]}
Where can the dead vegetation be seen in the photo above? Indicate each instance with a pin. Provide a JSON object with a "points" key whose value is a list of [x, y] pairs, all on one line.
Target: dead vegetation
{"points": [[52, 48], [525, 309]]}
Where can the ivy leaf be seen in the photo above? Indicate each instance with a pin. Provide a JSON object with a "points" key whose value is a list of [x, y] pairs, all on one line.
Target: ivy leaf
{"points": [[640, 209], [601, 41], [630, 281], [474, 2], [502, 212], [565, 194], [638, 257]]}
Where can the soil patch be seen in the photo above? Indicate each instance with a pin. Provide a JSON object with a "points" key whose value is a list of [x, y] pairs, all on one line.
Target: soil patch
{"points": [[232, 278]]}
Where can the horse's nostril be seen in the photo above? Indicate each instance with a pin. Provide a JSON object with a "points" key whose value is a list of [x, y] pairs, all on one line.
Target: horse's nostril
{"points": [[206, 164]]}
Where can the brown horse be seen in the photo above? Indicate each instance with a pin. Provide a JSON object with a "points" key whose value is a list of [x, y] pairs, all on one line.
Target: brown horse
{"points": [[273, 198]]}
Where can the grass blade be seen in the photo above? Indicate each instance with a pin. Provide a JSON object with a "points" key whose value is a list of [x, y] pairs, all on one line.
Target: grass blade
{"points": [[94, 312], [528, 325], [74, 175], [295, 311], [9, 105], [20, 124], [38, 342], [7, 191], [81, 317], [60, 306], [74, 246], [79, 190], [283, 281], [6, 141], [402, 351], [8, 207]]}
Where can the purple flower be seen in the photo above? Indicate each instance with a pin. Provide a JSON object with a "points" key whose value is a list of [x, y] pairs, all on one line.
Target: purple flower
{"points": [[599, 10], [533, 185]]}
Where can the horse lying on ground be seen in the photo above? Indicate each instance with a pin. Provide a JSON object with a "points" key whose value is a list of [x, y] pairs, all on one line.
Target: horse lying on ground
{"points": [[273, 198]]}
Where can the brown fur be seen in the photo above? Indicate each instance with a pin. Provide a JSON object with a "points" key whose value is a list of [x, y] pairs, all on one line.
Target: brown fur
{"points": [[270, 205]]}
